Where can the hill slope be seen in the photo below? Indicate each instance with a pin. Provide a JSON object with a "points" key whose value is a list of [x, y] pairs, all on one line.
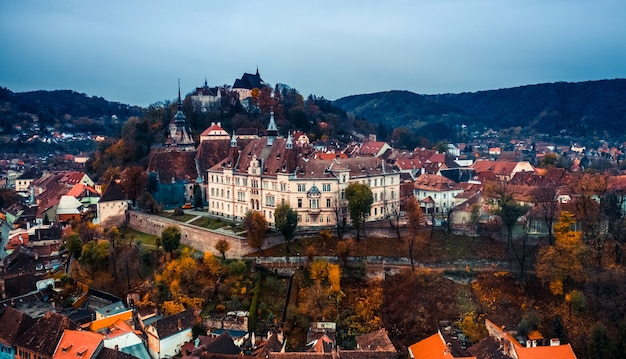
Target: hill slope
{"points": [[581, 109]]}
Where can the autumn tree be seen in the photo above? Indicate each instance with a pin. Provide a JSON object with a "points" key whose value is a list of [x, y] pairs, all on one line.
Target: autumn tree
{"points": [[320, 296], [94, 255], [563, 263], [170, 239], [415, 222], [74, 244], [8, 197], [286, 222], [255, 224], [222, 246], [360, 201], [134, 180]]}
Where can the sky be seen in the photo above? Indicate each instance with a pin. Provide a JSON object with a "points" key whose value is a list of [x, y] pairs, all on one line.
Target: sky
{"points": [[134, 51]]}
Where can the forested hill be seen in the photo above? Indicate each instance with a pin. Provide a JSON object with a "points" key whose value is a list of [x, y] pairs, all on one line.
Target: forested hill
{"points": [[591, 108], [52, 105]]}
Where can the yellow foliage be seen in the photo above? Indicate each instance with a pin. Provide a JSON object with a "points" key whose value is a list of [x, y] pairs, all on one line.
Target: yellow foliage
{"points": [[334, 278], [192, 302], [319, 270], [175, 288], [170, 307], [501, 274], [556, 287]]}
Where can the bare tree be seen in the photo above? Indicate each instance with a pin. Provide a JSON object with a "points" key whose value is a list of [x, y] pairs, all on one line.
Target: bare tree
{"points": [[545, 197], [393, 215], [340, 209]]}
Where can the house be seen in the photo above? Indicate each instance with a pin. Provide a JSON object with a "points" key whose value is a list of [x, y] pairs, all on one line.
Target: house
{"points": [[220, 344], [119, 335], [78, 344], [244, 86], [207, 99], [70, 209], [112, 206], [503, 170], [375, 343], [40, 341], [512, 348], [271, 170], [375, 149], [433, 347], [14, 324], [166, 336], [214, 132], [435, 193]]}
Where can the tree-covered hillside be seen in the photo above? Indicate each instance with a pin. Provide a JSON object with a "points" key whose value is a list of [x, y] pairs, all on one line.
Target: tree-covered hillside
{"points": [[591, 108]]}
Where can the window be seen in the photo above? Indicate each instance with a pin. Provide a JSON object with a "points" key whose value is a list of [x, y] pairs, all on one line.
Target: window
{"points": [[392, 195], [301, 187], [314, 203], [270, 200], [375, 197], [375, 211], [299, 202], [327, 202], [283, 187], [343, 194], [265, 184], [343, 178], [375, 182], [325, 187]]}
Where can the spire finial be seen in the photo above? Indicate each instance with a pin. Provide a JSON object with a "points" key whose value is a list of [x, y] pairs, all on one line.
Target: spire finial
{"points": [[257, 70], [178, 90], [206, 85]]}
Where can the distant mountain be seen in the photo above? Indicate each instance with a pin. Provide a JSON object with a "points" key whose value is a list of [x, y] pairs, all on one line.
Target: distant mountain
{"points": [[591, 108]]}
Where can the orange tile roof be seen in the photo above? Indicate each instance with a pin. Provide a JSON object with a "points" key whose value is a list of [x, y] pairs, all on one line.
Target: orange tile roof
{"points": [[432, 347], [553, 352], [77, 344]]}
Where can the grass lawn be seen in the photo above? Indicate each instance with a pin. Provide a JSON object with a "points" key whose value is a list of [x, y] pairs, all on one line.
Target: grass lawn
{"points": [[212, 223], [144, 238], [179, 218]]}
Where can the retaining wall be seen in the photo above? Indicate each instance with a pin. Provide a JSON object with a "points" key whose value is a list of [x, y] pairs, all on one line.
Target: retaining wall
{"points": [[201, 239]]}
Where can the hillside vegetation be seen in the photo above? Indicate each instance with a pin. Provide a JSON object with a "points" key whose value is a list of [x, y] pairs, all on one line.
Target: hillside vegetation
{"points": [[582, 109]]}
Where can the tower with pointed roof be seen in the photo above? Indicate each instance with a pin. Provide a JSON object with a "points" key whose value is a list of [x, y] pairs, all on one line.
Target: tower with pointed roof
{"points": [[272, 130], [179, 137]]}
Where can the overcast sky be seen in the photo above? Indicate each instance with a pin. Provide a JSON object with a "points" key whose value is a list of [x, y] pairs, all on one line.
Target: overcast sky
{"points": [[134, 51]]}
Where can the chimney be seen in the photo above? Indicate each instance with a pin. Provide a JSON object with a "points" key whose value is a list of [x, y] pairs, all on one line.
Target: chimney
{"points": [[180, 324], [555, 342]]}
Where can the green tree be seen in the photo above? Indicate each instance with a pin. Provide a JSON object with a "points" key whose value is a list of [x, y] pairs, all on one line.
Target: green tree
{"points": [[286, 222], [600, 346], [508, 209], [74, 244], [255, 224], [197, 197], [170, 239], [94, 255], [8, 197], [360, 201], [222, 246]]}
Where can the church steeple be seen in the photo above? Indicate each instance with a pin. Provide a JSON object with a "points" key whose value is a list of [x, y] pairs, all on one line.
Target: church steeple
{"points": [[179, 135], [289, 143], [272, 130], [233, 141]]}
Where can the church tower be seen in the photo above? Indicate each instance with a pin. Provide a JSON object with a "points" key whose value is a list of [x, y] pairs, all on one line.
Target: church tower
{"points": [[272, 130], [179, 137]]}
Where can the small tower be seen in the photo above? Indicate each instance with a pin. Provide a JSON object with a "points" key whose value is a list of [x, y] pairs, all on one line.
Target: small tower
{"points": [[272, 130], [233, 141], [289, 143], [179, 136]]}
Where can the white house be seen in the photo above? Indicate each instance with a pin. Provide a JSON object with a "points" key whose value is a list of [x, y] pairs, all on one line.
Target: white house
{"points": [[166, 336]]}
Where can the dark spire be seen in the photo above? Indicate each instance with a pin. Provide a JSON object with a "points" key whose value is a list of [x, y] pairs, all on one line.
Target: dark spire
{"points": [[257, 70], [206, 85], [179, 105]]}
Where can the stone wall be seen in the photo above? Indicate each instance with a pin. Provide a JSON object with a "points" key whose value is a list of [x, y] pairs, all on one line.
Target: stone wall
{"points": [[198, 238]]}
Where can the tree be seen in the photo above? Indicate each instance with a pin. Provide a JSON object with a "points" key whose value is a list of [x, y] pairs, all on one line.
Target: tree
{"points": [[95, 254], [589, 210], [222, 246], [340, 211], [475, 217], [197, 197], [134, 180], [563, 263], [600, 346], [74, 244], [286, 222], [255, 224], [393, 215], [170, 239], [545, 196], [508, 209], [148, 203], [360, 201], [8, 197], [415, 222]]}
